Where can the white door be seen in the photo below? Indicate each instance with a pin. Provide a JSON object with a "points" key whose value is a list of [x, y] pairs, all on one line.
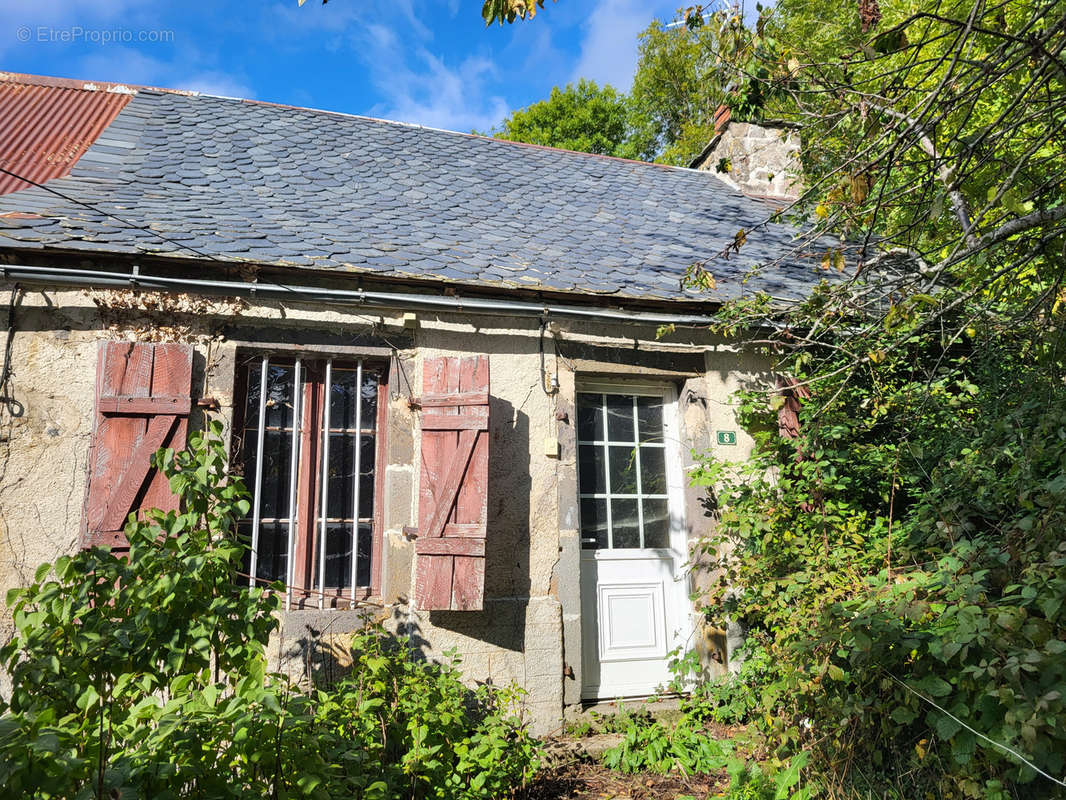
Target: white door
{"points": [[634, 592]]}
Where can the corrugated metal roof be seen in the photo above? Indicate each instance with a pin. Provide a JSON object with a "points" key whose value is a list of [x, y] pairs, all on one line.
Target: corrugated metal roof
{"points": [[45, 129]]}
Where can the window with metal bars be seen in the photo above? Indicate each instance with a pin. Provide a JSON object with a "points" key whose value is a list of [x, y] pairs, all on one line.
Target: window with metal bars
{"points": [[309, 443], [622, 481]]}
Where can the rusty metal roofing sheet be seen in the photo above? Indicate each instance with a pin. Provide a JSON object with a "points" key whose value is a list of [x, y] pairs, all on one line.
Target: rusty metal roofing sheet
{"points": [[44, 129]]}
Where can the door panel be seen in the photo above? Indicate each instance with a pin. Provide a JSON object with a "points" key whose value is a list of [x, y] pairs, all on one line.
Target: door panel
{"points": [[634, 592], [630, 621], [633, 621]]}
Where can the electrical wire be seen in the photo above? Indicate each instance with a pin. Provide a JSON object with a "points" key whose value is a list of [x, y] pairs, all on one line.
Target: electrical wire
{"points": [[7, 398], [976, 732]]}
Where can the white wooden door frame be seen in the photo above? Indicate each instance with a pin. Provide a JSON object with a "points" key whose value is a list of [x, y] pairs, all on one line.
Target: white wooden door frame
{"points": [[676, 604]]}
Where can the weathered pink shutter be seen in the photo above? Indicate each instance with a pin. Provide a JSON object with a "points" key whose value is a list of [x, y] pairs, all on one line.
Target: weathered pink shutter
{"points": [[453, 496], [143, 400], [794, 394]]}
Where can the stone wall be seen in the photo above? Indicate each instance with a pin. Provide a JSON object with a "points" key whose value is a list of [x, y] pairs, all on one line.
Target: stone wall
{"points": [[756, 159], [530, 628]]}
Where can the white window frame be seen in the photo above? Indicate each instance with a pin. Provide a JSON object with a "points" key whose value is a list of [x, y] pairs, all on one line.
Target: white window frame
{"points": [[675, 494]]}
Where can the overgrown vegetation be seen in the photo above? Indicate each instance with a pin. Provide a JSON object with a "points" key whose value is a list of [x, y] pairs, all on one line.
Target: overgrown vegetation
{"points": [[145, 675], [901, 561], [899, 564], [686, 747]]}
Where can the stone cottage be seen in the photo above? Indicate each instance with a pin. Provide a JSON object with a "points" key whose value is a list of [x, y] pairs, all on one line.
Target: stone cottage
{"points": [[462, 376]]}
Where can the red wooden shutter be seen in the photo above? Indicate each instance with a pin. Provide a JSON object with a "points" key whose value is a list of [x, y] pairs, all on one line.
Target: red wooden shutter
{"points": [[788, 424], [453, 495], [143, 400]]}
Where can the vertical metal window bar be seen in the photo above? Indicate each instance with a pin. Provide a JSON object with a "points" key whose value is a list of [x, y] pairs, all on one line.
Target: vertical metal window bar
{"points": [[636, 465], [297, 419], [607, 471], [357, 481], [324, 484], [258, 491]]}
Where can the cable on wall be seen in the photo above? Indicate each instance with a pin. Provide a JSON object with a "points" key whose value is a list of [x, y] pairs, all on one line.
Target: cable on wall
{"points": [[7, 398]]}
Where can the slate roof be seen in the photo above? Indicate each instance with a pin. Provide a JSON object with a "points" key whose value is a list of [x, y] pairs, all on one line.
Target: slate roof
{"points": [[252, 182]]}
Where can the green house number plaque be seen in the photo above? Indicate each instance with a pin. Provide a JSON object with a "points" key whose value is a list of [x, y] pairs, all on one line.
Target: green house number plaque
{"points": [[727, 437]]}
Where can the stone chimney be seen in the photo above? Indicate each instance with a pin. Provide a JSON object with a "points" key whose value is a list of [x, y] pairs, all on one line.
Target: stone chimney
{"points": [[760, 160]]}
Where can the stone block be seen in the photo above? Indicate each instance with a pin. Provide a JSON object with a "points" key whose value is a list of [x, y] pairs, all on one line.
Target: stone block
{"points": [[398, 496], [397, 554], [401, 445]]}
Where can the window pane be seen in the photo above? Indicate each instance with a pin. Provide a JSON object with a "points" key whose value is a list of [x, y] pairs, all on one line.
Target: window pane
{"points": [[593, 524], [625, 524], [342, 397], [338, 554], [370, 400], [271, 564], [620, 418], [592, 477], [653, 470], [650, 418], [623, 469], [362, 566], [589, 417], [341, 475], [656, 523], [366, 476], [279, 396], [277, 461]]}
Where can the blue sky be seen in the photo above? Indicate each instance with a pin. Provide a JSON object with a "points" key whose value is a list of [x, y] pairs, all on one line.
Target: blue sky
{"points": [[430, 62]]}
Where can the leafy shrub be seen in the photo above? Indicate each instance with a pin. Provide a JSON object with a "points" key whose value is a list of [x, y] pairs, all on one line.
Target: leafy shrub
{"points": [[903, 562], [421, 732], [687, 747], [733, 699], [144, 675], [651, 746], [768, 781]]}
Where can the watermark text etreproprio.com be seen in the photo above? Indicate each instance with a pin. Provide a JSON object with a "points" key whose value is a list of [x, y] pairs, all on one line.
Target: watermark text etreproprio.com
{"points": [[76, 34]]}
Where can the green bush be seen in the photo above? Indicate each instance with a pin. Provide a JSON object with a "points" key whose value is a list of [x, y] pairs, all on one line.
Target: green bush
{"points": [[686, 747], [732, 699], [144, 675], [904, 564], [651, 746]]}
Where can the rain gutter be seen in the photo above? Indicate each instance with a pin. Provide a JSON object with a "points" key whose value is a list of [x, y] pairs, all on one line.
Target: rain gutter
{"points": [[346, 297]]}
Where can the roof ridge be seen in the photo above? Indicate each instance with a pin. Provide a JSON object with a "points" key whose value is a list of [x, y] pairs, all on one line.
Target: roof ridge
{"points": [[417, 126], [88, 85], [29, 79]]}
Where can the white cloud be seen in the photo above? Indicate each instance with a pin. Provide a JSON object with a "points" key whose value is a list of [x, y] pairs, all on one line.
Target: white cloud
{"points": [[393, 41], [439, 96], [609, 49], [420, 86]]}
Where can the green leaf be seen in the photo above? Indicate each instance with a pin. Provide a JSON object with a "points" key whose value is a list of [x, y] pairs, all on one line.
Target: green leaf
{"points": [[933, 686], [945, 726], [903, 715]]}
